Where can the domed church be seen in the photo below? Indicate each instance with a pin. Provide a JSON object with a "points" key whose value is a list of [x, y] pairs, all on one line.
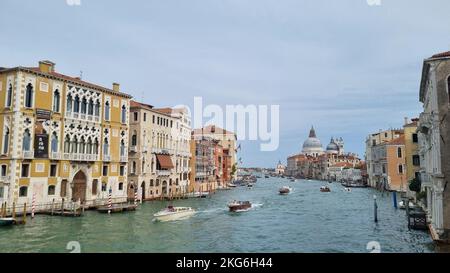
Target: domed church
{"points": [[312, 146], [336, 146]]}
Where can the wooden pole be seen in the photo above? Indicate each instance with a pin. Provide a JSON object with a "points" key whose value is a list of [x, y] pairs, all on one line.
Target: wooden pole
{"points": [[1, 212], [14, 210], [53, 206], [24, 213], [375, 208]]}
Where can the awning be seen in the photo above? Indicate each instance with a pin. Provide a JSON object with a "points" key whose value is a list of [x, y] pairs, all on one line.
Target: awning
{"points": [[164, 161]]}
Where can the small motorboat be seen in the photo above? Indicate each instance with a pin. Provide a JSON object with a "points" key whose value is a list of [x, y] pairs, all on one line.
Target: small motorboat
{"points": [[285, 190], [266, 176], [250, 186], [347, 190], [172, 213], [293, 180], [6, 221], [325, 189], [231, 185], [402, 205], [236, 206]]}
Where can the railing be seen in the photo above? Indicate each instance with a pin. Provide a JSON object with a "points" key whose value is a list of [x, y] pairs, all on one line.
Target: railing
{"points": [[55, 155], [28, 154], [163, 172], [82, 116], [107, 158], [123, 158], [79, 157], [133, 149]]}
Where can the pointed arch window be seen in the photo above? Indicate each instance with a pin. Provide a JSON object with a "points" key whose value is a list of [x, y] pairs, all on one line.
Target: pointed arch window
{"points": [[76, 105], [69, 103], [26, 144], [67, 144], [105, 147], [122, 148], [107, 108], [124, 114], [74, 145], [29, 96], [95, 147], [9, 96], [97, 108], [54, 143], [134, 139], [82, 146], [91, 107], [56, 101], [89, 146], [5, 141], [84, 106]]}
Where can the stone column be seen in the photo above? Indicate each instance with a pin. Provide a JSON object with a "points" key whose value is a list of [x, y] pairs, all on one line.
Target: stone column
{"points": [[439, 205]]}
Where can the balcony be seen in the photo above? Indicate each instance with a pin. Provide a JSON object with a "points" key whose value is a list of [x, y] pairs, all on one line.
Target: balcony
{"points": [[4, 179], [163, 172], [123, 158], [133, 149], [79, 157], [107, 158], [55, 155], [82, 116], [28, 154]]}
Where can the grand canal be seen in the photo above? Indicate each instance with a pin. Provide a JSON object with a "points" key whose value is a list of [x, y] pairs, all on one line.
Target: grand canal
{"points": [[304, 221]]}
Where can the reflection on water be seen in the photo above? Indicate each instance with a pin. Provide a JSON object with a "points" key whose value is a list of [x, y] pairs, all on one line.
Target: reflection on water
{"points": [[304, 221]]}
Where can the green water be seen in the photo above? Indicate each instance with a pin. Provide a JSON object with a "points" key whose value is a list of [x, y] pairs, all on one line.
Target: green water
{"points": [[304, 221]]}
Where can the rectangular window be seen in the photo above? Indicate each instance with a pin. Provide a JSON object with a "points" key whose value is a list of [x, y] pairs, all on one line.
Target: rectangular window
{"points": [[416, 160], [94, 186], [135, 115], [415, 138], [105, 170], [53, 170], [153, 119], [25, 170], [122, 170], [4, 170], [145, 117], [400, 169], [399, 152], [103, 187], [1, 192]]}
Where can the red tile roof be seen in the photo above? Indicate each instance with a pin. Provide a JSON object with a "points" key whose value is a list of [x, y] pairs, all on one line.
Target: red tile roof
{"points": [[398, 141], [140, 105], [209, 130], [441, 55]]}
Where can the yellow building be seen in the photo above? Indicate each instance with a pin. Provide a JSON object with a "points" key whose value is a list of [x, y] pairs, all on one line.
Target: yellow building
{"points": [[412, 150], [61, 138]]}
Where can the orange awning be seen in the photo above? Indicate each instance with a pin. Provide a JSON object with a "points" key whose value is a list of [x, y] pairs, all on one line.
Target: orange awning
{"points": [[165, 161]]}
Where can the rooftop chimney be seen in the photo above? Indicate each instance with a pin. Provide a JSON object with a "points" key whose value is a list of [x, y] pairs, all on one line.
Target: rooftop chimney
{"points": [[46, 66], [406, 121], [116, 87]]}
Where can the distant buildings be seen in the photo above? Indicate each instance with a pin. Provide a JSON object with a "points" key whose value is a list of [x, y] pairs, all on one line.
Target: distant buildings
{"points": [[434, 140], [315, 163], [280, 169]]}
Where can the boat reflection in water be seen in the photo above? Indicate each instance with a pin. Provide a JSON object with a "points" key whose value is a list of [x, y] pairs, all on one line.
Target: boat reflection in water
{"points": [[238, 206], [174, 213]]}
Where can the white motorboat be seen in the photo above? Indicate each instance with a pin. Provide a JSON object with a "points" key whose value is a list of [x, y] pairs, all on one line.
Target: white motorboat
{"points": [[347, 190], [285, 190], [401, 205], [174, 213]]}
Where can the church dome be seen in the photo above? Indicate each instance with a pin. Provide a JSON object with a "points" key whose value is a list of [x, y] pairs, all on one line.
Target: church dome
{"points": [[332, 147], [312, 145]]}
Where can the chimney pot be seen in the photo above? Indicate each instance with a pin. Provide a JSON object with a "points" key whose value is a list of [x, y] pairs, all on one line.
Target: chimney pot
{"points": [[116, 87]]}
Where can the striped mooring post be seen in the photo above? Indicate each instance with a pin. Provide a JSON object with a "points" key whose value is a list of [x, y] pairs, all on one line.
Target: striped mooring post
{"points": [[109, 201], [33, 205], [135, 198]]}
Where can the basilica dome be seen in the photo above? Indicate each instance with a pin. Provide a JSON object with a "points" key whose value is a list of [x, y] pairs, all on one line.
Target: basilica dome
{"points": [[332, 148], [312, 146]]}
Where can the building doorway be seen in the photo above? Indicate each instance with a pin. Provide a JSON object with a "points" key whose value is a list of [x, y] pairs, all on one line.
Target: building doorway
{"points": [[79, 187]]}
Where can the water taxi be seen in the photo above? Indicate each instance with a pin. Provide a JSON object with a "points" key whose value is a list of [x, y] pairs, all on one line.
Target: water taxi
{"points": [[325, 189], [285, 190], [6, 221], [239, 206], [174, 213]]}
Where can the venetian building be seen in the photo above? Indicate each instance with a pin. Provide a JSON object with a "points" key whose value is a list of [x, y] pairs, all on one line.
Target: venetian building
{"points": [[312, 146], [61, 138]]}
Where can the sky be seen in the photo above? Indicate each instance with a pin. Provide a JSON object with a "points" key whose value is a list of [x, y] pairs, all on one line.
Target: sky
{"points": [[346, 67]]}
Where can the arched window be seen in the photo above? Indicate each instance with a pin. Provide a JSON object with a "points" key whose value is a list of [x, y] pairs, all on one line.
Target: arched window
{"points": [[51, 190], [84, 106], [133, 169], [26, 144], [74, 145], [95, 147], [54, 143], [9, 96], [105, 147], [56, 100], [121, 186], [143, 165], [69, 103], [91, 107], [23, 191], [76, 106], [82, 146], [63, 192], [6, 141], [124, 114], [122, 148], [97, 108], [107, 108], [29, 96], [134, 139], [89, 146], [67, 144], [151, 183], [399, 152]]}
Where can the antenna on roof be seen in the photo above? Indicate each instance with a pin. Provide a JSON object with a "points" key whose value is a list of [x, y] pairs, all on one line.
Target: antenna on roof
{"points": [[81, 74]]}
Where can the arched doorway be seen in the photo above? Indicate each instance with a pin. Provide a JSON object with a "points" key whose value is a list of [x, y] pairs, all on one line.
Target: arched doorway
{"points": [[143, 191], [79, 187], [131, 191], [164, 188]]}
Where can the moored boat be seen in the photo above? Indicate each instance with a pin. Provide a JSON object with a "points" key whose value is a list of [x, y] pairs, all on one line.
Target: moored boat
{"points": [[285, 190], [6, 221], [231, 185], [239, 206], [325, 189], [402, 205], [172, 213]]}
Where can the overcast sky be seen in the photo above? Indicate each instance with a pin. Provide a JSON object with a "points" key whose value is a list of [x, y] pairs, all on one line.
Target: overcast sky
{"points": [[344, 66]]}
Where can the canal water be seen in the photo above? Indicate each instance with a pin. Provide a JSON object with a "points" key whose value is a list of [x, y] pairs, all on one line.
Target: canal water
{"points": [[304, 221]]}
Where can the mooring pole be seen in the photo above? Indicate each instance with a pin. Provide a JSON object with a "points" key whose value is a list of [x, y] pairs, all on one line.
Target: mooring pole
{"points": [[375, 206], [394, 198]]}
